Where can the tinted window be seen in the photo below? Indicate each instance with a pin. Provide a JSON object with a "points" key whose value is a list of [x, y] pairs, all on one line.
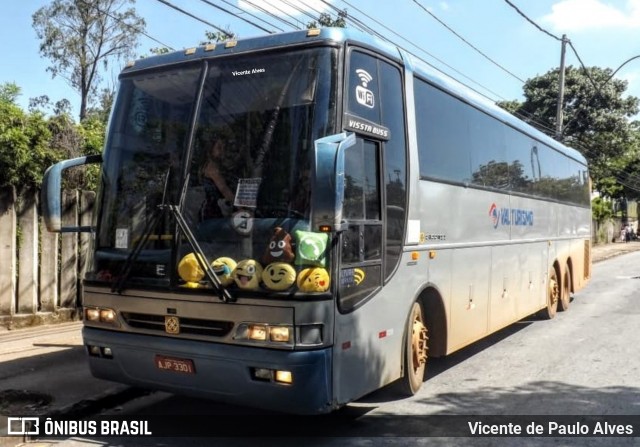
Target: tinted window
{"points": [[443, 134], [395, 162], [488, 158], [363, 87], [460, 144]]}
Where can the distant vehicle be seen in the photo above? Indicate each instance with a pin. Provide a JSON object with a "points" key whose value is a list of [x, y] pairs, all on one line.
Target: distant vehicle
{"points": [[381, 213]]}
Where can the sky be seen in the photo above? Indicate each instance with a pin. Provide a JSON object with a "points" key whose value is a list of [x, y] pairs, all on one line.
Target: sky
{"points": [[604, 33]]}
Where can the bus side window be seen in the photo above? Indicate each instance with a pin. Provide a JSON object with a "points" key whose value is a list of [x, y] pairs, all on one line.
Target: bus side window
{"points": [[361, 271]]}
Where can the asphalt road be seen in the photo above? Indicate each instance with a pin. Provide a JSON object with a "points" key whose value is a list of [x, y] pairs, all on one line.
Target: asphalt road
{"points": [[584, 362]]}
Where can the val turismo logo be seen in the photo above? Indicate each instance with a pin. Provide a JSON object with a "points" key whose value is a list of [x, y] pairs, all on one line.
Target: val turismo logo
{"points": [[510, 216]]}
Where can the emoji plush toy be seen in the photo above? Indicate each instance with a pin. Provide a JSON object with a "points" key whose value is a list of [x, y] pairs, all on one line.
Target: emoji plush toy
{"points": [[223, 268], [278, 276], [247, 274], [313, 279], [310, 248], [280, 248], [190, 271]]}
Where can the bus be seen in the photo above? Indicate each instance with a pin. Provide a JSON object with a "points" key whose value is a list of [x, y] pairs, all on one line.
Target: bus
{"points": [[290, 222]]}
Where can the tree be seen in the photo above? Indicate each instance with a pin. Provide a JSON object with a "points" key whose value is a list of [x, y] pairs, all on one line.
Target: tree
{"points": [[80, 36], [23, 142], [597, 118], [31, 142], [325, 20]]}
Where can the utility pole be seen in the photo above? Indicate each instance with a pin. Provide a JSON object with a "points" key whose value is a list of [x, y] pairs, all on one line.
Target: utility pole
{"points": [[561, 89]]}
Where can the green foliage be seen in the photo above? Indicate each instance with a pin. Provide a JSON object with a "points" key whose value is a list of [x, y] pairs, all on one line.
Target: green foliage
{"points": [[23, 141], [9, 92], [597, 119], [82, 37], [601, 209], [218, 36], [31, 142], [325, 20]]}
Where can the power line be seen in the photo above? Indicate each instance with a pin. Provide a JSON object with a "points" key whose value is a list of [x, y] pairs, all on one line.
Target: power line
{"points": [[171, 5], [422, 50], [137, 30], [237, 16], [275, 16], [468, 43], [531, 21], [244, 11]]}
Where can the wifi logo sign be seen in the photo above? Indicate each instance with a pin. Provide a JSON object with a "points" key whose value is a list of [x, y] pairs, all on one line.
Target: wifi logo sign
{"points": [[364, 96]]}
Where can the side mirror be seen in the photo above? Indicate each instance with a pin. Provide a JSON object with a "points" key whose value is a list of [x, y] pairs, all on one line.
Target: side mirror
{"points": [[51, 190], [328, 182]]}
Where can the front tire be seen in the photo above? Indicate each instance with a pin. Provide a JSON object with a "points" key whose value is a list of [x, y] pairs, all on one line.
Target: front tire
{"points": [[415, 352]]}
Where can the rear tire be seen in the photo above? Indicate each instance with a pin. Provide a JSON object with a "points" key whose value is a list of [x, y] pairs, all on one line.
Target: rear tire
{"points": [[415, 352], [553, 296], [565, 297]]}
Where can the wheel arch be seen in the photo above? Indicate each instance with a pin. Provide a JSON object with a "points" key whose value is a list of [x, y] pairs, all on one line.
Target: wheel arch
{"points": [[436, 319], [569, 265]]}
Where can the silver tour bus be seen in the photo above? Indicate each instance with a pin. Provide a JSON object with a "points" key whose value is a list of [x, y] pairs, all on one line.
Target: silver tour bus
{"points": [[296, 220]]}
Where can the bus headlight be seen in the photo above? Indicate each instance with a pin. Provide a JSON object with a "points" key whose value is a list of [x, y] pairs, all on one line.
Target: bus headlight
{"points": [[101, 315], [258, 332], [262, 332], [279, 333]]}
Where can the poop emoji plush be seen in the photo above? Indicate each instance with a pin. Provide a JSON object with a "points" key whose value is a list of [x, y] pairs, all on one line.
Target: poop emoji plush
{"points": [[190, 271], [223, 267], [310, 248], [278, 276], [247, 274], [280, 247], [313, 279]]}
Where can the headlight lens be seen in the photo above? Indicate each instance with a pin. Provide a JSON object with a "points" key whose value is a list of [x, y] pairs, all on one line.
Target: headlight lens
{"points": [[257, 332], [279, 333], [101, 315], [263, 332]]}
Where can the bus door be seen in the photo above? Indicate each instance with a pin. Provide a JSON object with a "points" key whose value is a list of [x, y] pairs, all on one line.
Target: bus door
{"points": [[360, 273], [370, 319]]}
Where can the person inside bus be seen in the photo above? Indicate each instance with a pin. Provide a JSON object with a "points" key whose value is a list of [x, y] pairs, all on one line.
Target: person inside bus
{"points": [[219, 195]]}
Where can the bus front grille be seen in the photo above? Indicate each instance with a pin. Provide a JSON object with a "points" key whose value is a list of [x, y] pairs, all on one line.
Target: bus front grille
{"points": [[193, 326]]}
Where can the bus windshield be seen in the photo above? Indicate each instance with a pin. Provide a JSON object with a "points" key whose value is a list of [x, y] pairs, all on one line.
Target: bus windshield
{"points": [[228, 142]]}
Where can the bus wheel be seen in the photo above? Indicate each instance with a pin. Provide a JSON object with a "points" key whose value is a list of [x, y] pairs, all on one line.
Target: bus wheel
{"points": [[553, 296], [565, 296], [415, 352]]}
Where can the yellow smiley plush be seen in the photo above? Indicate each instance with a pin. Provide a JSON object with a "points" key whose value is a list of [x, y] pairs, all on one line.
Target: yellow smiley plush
{"points": [[247, 274], [223, 268], [189, 269], [278, 276], [314, 279]]}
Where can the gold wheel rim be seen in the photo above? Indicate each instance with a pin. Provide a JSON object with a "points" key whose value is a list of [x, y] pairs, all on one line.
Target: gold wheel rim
{"points": [[419, 344]]}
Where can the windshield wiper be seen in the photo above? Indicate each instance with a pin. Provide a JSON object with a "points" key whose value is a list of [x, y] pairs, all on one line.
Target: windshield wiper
{"points": [[222, 292], [119, 283]]}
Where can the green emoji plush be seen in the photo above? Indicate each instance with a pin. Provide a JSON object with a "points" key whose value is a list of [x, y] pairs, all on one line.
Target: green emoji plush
{"points": [[310, 248], [278, 276]]}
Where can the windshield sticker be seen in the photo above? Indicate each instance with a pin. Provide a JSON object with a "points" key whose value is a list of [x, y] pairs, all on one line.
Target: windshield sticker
{"points": [[364, 96], [247, 193], [248, 72], [242, 222], [122, 238]]}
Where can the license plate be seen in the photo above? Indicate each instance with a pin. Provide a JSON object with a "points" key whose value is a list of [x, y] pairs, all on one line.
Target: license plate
{"points": [[185, 366]]}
